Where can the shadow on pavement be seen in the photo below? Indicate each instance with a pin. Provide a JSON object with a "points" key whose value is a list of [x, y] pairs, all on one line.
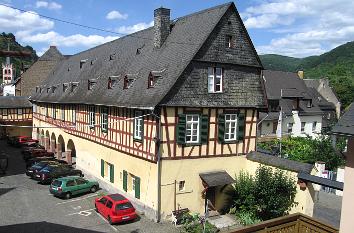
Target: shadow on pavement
{"points": [[5, 190], [43, 227], [16, 164]]}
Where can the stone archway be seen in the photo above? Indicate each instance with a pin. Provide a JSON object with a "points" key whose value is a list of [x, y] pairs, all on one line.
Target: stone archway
{"points": [[46, 141], [38, 135], [71, 152], [53, 144], [61, 147]]}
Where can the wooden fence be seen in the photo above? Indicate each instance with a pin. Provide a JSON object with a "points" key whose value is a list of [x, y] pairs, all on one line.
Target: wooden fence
{"points": [[294, 223]]}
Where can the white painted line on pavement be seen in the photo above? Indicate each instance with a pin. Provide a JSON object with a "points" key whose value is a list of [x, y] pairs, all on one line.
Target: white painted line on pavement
{"points": [[106, 221], [82, 212], [78, 199]]}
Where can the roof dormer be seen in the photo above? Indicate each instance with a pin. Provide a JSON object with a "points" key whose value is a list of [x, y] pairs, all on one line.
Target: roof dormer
{"points": [[129, 80]]}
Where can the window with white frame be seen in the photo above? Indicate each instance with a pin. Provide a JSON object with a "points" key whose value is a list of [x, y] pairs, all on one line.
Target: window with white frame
{"points": [[314, 126], [91, 116], [63, 112], [215, 76], [192, 128], [138, 125], [133, 183], [181, 185], [73, 114], [104, 119], [19, 111], [54, 112], [230, 127], [303, 124]]}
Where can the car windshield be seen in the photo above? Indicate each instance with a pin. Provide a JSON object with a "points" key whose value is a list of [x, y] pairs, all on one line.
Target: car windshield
{"points": [[47, 169], [38, 165], [56, 183], [124, 206]]}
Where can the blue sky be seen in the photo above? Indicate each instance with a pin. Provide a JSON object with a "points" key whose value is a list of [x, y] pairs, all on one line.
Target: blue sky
{"points": [[289, 27]]}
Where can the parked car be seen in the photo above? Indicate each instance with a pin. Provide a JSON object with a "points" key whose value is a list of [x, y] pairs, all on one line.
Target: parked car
{"points": [[39, 166], [29, 149], [20, 140], [72, 185], [49, 173], [115, 208], [38, 153], [34, 160]]}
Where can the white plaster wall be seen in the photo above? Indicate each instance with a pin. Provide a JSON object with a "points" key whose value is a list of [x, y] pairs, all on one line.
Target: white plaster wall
{"points": [[267, 128], [9, 90], [296, 119]]}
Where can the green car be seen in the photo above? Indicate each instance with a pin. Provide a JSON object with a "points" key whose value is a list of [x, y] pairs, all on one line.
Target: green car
{"points": [[72, 185]]}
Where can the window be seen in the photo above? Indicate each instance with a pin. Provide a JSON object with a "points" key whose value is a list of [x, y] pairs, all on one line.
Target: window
{"points": [[46, 111], [19, 111], [295, 104], [192, 128], [63, 112], [138, 125], [124, 206], [111, 83], [181, 185], [329, 116], [109, 204], [92, 116], [133, 183], [65, 87], [290, 127], [91, 84], [53, 89], [215, 79], [54, 112], [4, 112], [103, 200], [229, 41], [230, 127], [127, 82], [73, 114], [70, 183], [82, 62], [104, 119], [151, 81], [314, 125], [81, 181], [74, 86], [309, 103], [303, 127], [34, 108]]}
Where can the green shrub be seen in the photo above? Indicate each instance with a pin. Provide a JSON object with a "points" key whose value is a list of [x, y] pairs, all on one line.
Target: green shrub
{"points": [[192, 224], [269, 194], [247, 218]]}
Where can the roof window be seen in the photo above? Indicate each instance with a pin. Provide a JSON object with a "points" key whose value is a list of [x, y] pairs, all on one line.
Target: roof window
{"points": [[48, 89], [53, 89], [112, 57], [129, 80], [154, 76], [74, 85], [82, 62], [37, 89], [112, 80], [91, 83], [65, 86]]}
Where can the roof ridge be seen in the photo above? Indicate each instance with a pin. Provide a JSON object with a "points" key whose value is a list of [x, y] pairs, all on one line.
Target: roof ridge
{"points": [[203, 11]]}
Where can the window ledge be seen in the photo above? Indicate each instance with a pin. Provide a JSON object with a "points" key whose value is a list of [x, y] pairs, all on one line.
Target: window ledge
{"points": [[138, 140]]}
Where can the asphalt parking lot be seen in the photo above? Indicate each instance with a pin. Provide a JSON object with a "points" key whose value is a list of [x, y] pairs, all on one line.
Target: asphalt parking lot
{"points": [[26, 206]]}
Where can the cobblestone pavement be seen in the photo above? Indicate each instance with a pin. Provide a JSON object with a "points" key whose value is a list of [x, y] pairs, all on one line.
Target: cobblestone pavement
{"points": [[26, 206]]}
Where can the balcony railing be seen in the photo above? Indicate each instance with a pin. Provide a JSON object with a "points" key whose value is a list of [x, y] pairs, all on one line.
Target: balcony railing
{"points": [[294, 223]]}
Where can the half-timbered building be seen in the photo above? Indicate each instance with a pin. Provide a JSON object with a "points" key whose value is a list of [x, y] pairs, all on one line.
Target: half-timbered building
{"points": [[15, 116], [164, 115]]}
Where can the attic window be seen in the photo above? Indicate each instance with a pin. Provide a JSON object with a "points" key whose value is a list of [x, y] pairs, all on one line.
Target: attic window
{"points": [[74, 86], [229, 22], [82, 62], [91, 83], [128, 81], [40, 90], [48, 89], [37, 88], [111, 82], [112, 56], [65, 87], [229, 41], [68, 69], [53, 89], [309, 103], [93, 61]]}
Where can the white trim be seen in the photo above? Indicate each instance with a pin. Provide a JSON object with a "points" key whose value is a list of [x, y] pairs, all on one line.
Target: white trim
{"points": [[232, 129], [190, 125]]}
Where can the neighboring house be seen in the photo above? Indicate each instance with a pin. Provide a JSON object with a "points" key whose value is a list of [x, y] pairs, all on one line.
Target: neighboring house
{"points": [[163, 115], [38, 71], [326, 92], [9, 89], [302, 114], [17, 112], [345, 128]]}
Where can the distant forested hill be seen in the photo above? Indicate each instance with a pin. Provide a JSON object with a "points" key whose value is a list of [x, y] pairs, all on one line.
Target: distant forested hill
{"points": [[337, 65], [14, 46]]}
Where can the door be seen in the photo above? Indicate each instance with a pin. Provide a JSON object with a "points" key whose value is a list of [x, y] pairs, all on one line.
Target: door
{"points": [[82, 185], [108, 208], [101, 205], [210, 195], [72, 187]]}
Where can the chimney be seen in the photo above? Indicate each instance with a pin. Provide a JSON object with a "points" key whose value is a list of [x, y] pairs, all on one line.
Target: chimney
{"points": [[300, 73], [161, 26]]}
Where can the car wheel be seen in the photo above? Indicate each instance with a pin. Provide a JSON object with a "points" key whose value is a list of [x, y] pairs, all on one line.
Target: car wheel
{"points": [[67, 195], [93, 189], [109, 220]]}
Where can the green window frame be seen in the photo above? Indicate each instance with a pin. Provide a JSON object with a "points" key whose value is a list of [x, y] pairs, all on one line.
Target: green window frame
{"points": [[125, 180]]}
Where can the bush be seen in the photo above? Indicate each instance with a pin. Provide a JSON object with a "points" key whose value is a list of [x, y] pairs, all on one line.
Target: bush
{"points": [[269, 194], [309, 150], [192, 224]]}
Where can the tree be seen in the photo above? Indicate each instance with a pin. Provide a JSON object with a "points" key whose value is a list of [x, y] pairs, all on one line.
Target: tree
{"points": [[269, 194]]}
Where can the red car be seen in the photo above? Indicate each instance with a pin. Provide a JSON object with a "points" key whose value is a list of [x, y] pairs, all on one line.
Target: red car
{"points": [[37, 153], [115, 208]]}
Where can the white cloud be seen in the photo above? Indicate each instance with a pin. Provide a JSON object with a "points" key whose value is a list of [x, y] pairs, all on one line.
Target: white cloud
{"points": [[305, 27], [54, 38], [48, 5], [134, 28], [116, 15], [12, 20]]}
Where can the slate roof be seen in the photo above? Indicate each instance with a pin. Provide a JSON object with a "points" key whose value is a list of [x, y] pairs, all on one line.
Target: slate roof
{"points": [[216, 178], [321, 181], [184, 41], [345, 125], [40, 70], [15, 102], [278, 162]]}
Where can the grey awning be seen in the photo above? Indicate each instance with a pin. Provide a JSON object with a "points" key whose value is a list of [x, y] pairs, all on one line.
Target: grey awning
{"points": [[216, 178], [321, 181]]}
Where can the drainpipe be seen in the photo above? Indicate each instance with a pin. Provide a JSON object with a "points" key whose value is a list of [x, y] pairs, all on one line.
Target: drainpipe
{"points": [[158, 144]]}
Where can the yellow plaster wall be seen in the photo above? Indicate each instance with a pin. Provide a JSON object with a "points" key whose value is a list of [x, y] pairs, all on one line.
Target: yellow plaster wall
{"points": [[88, 158]]}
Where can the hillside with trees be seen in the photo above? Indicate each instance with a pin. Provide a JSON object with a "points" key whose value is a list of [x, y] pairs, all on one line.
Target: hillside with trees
{"points": [[337, 65], [15, 46]]}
